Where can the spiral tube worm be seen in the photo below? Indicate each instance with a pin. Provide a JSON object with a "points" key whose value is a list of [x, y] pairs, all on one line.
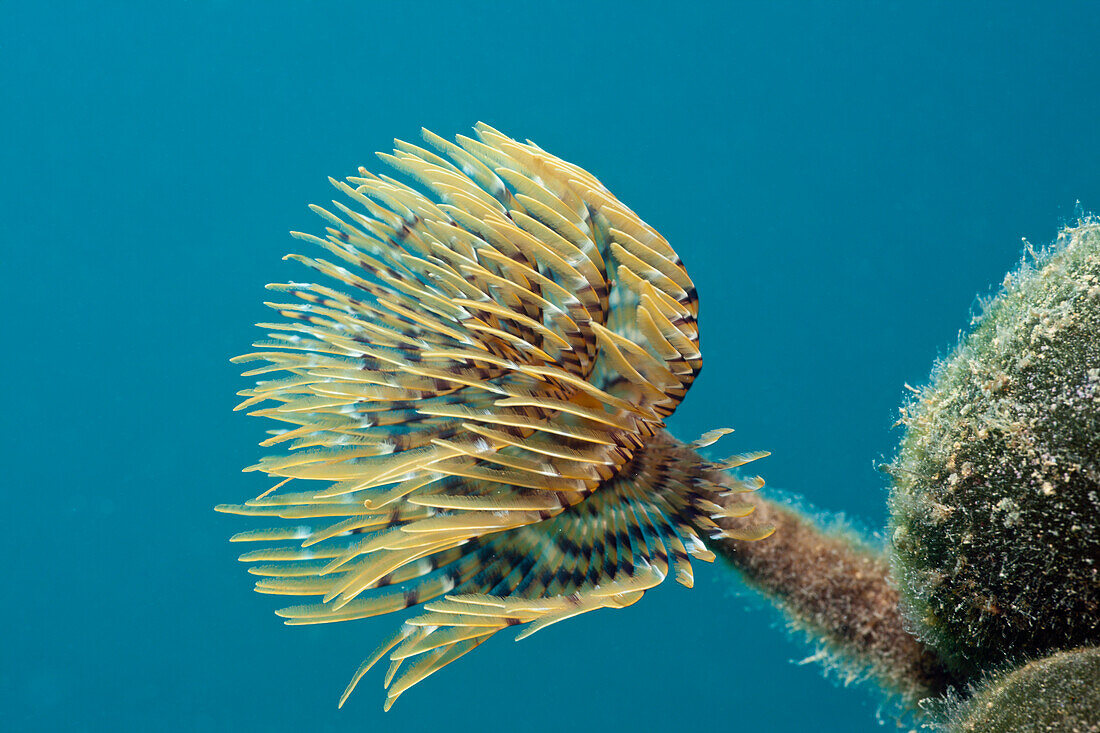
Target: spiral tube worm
{"points": [[476, 407]]}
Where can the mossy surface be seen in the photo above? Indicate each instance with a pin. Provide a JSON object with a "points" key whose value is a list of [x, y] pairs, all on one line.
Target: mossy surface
{"points": [[996, 493], [1058, 694]]}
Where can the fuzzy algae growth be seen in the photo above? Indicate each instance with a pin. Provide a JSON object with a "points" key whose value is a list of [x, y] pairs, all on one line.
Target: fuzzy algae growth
{"points": [[1058, 693], [997, 482]]}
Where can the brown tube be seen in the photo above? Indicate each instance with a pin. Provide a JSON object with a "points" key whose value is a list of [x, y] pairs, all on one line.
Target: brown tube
{"points": [[838, 589], [830, 584]]}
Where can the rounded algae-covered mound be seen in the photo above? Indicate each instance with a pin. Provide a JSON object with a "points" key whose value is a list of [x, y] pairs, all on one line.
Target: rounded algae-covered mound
{"points": [[1059, 694], [997, 482]]}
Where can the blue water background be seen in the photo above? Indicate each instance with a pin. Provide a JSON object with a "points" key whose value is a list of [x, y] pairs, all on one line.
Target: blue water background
{"points": [[842, 179]]}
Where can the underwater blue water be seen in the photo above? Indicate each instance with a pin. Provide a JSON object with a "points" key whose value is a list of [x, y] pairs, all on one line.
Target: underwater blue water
{"points": [[842, 180]]}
